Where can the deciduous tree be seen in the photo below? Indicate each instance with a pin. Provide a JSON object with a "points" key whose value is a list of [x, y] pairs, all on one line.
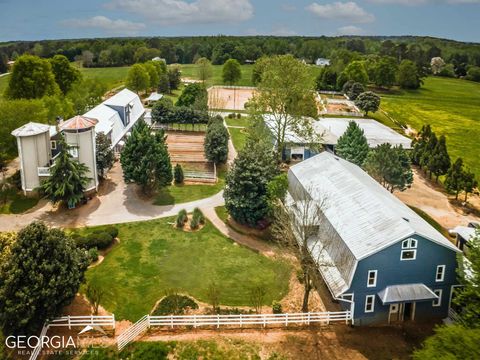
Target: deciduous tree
{"points": [[41, 276], [231, 72], [368, 102], [204, 69], [138, 78], [65, 74], [31, 78], [408, 77], [192, 94], [356, 72], [353, 145], [105, 156], [385, 72]]}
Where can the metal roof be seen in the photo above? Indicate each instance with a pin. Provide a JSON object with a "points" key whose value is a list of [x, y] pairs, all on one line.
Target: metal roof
{"points": [[30, 129], [154, 97], [122, 98], [406, 293], [78, 123], [367, 217], [375, 132], [466, 232]]}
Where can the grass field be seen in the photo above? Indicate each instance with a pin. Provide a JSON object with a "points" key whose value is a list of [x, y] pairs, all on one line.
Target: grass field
{"points": [[190, 71], [450, 106], [153, 257], [15, 202], [3, 84], [177, 194], [239, 137], [112, 77]]}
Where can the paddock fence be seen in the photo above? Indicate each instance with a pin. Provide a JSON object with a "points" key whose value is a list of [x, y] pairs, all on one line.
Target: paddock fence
{"points": [[72, 321], [195, 321]]}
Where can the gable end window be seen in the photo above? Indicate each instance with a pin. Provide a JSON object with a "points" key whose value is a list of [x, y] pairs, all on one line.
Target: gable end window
{"points": [[440, 275], [437, 302], [409, 249], [372, 278], [369, 303], [53, 145]]}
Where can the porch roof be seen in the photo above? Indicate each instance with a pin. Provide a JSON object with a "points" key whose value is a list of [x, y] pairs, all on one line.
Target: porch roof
{"points": [[406, 293]]}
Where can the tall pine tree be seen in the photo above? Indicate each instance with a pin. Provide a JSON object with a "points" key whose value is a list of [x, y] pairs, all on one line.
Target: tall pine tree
{"points": [[67, 180], [145, 159], [353, 145], [428, 153], [454, 178], [439, 161], [419, 144]]}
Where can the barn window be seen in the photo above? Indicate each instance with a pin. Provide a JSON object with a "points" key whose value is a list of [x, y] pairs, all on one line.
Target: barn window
{"points": [[409, 249], [440, 275], [369, 303], [437, 302], [372, 278]]}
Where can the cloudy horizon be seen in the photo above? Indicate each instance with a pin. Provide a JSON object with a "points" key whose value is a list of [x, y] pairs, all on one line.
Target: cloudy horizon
{"points": [[449, 19]]}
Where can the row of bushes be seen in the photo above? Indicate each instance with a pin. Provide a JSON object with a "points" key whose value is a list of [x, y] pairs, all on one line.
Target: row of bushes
{"points": [[233, 116], [98, 239], [174, 304], [164, 112], [197, 219]]}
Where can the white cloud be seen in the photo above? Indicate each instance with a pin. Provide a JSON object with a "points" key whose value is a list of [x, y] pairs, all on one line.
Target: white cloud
{"points": [[348, 11], [119, 26], [179, 11], [350, 30]]}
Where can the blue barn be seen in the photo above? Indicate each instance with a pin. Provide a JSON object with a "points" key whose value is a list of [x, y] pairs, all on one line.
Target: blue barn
{"points": [[376, 255]]}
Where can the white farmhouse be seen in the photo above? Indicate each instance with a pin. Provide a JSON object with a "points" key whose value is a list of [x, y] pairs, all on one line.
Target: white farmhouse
{"points": [[37, 143]]}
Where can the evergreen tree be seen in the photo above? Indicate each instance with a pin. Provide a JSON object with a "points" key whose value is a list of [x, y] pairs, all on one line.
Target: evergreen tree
{"points": [[419, 144], [246, 194], [204, 69], [468, 296], [368, 101], [164, 84], [145, 159], [216, 142], [65, 74], [191, 93], [105, 156], [353, 145], [174, 77], [454, 178], [428, 153], [390, 166], [355, 90], [178, 174], [41, 276], [439, 161], [67, 180], [469, 182], [162, 110]]}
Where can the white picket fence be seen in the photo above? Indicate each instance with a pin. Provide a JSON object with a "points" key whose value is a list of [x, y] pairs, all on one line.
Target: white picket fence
{"points": [[73, 321], [229, 320]]}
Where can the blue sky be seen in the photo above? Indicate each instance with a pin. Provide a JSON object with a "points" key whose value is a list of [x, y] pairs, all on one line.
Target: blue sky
{"points": [[44, 19]]}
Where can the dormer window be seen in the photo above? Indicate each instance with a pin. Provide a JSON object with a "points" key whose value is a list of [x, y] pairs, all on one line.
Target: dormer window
{"points": [[409, 249]]}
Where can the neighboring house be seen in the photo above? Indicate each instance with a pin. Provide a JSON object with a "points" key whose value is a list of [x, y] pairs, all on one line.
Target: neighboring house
{"points": [[37, 143], [377, 256], [328, 130], [465, 234], [322, 62], [154, 96], [158, 58]]}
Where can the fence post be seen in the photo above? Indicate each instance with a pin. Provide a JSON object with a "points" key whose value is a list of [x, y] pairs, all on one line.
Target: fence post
{"points": [[148, 321], [69, 325], [240, 320], [218, 321], [264, 321], [286, 319], [328, 318], [113, 321], [194, 321], [171, 320], [308, 318]]}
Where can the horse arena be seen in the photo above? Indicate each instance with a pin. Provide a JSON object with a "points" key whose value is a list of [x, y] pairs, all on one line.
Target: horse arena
{"points": [[187, 149], [229, 97]]}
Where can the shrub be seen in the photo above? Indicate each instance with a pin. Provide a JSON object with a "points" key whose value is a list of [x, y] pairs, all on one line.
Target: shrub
{"points": [[112, 231], [174, 304], [93, 254], [178, 174], [181, 218], [197, 213], [101, 239], [239, 116], [194, 223], [276, 307], [216, 142]]}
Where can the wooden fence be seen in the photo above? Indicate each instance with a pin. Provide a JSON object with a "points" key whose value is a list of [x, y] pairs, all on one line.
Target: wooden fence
{"points": [[241, 320]]}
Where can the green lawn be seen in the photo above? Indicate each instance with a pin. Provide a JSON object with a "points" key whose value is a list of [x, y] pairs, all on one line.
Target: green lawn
{"points": [[112, 76], [244, 121], [451, 106], [222, 213], [177, 194], [153, 257], [239, 137], [190, 71], [3, 84], [16, 202]]}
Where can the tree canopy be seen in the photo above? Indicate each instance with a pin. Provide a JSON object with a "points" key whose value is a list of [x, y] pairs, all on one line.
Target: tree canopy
{"points": [[191, 94], [105, 156], [408, 77], [31, 78], [42, 275], [231, 72], [368, 102], [138, 78], [65, 74], [216, 141]]}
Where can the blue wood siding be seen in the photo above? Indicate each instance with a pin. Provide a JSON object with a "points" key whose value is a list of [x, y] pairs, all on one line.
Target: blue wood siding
{"points": [[392, 271]]}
